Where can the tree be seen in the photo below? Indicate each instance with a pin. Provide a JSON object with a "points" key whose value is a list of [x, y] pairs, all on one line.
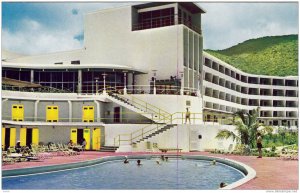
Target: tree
{"points": [[246, 128]]}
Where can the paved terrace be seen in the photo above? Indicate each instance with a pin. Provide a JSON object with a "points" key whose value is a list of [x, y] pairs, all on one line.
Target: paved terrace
{"points": [[271, 173]]}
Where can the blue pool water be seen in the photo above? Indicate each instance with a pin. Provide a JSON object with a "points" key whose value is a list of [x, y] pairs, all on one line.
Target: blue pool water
{"points": [[174, 174]]}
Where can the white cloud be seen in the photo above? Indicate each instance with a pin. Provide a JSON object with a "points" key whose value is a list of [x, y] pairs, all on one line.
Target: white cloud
{"points": [[35, 38], [227, 24], [56, 33], [224, 25]]}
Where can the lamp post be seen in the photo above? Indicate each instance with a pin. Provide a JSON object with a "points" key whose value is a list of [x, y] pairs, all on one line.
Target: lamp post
{"points": [[125, 80], [96, 79], [181, 82], [104, 89], [154, 76]]}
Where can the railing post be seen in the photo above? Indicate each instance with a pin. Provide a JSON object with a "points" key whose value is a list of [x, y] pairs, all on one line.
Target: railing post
{"points": [[146, 107], [158, 113], [119, 140], [130, 138], [143, 133], [194, 118], [182, 118], [114, 141]]}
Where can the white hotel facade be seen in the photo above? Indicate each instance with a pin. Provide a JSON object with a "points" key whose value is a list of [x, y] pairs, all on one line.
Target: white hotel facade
{"points": [[140, 68]]}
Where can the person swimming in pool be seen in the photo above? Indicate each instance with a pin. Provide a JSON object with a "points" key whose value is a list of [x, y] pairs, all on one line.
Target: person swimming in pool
{"points": [[223, 184], [213, 162], [139, 162], [126, 161]]}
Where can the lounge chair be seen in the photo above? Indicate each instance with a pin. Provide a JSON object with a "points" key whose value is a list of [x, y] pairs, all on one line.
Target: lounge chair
{"points": [[7, 160]]}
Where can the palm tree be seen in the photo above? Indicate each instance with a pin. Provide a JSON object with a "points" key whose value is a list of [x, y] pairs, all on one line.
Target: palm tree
{"points": [[246, 128]]}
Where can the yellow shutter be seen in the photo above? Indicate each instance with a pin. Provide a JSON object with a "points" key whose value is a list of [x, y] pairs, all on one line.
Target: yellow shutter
{"points": [[85, 111], [52, 113], [87, 137], [12, 140], [23, 133], [21, 113], [88, 114], [3, 138], [73, 135], [96, 138], [17, 112], [35, 136], [91, 114]]}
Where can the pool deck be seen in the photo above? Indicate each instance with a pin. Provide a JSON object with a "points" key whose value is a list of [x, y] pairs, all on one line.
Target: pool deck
{"points": [[271, 173]]}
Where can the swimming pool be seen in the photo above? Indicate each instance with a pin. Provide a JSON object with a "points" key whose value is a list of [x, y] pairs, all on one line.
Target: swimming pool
{"points": [[174, 174]]}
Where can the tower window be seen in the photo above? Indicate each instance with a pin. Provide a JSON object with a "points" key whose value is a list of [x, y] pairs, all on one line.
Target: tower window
{"points": [[75, 62]]}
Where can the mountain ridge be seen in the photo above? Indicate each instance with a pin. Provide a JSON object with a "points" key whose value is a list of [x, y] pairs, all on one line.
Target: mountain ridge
{"points": [[270, 55]]}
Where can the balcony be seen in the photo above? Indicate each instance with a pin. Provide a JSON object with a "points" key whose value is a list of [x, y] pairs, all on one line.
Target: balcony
{"points": [[163, 22], [154, 23]]}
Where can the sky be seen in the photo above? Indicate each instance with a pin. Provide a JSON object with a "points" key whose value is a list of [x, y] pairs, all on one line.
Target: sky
{"points": [[36, 28]]}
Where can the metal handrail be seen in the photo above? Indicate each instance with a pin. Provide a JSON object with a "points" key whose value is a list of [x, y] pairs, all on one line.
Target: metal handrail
{"points": [[131, 89], [147, 105], [173, 117]]}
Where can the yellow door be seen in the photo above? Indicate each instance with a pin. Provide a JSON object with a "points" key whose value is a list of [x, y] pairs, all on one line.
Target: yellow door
{"points": [[3, 138], [12, 140], [35, 136], [87, 137], [17, 112], [23, 133], [96, 138], [73, 135], [52, 113]]}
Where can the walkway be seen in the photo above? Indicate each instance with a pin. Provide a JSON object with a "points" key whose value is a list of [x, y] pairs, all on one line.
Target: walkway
{"points": [[271, 173]]}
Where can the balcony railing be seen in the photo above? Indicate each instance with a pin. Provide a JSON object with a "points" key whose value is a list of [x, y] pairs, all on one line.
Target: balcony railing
{"points": [[168, 21], [131, 89], [155, 23], [189, 24]]}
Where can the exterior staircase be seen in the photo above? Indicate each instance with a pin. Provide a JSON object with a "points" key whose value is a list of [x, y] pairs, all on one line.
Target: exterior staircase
{"points": [[161, 130], [162, 120], [140, 107]]}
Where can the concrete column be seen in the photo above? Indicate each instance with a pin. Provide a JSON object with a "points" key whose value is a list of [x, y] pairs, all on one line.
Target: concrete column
{"points": [[97, 110], [70, 111], [176, 13], [31, 76], [36, 109], [125, 83], [79, 83]]}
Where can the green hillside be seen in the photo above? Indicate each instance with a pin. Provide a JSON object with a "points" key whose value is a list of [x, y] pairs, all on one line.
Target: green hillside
{"points": [[275, 55]]}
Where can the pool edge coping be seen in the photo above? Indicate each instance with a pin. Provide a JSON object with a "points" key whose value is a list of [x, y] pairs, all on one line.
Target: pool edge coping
{"points": [[249, 172]]}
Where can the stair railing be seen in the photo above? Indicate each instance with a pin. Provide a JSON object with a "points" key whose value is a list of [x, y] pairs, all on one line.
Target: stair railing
{"points": [[175, 118], [138, 103]]}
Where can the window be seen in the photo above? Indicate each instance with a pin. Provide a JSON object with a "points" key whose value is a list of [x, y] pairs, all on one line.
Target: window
{"points": [[75, 62], [154, 19]]}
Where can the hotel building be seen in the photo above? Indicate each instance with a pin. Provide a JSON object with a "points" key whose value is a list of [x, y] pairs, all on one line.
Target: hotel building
{"points": [[128, 88]]}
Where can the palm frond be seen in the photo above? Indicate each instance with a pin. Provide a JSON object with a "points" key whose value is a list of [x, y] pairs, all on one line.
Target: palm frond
{"points": [[225, 134]]}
